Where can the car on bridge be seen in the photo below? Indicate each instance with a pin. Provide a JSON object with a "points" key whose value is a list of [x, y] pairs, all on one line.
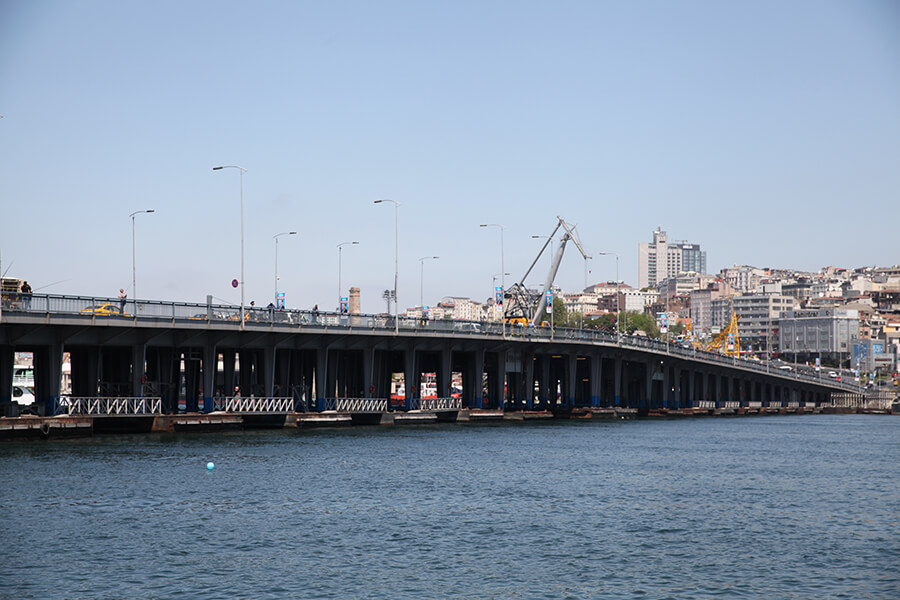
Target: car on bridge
{"points": [[105, 309]]}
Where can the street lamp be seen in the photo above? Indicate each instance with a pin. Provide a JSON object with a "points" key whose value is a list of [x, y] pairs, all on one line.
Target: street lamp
{"points": [[133, 269], [275, 237], [617, 289], [340, 287], [422, 280], [502, 275], [396, 260], [242, 170]]}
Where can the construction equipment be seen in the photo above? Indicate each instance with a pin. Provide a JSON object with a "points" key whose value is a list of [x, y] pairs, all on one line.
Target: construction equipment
{"points": [[728, 341], [523, 306]]}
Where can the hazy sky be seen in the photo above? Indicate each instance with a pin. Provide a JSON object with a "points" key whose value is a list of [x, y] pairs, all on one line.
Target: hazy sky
{"points": [[767, 132]]}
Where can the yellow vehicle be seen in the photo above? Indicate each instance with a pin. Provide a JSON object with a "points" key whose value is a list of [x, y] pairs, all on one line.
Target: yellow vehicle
{"points": [[105, 310]]}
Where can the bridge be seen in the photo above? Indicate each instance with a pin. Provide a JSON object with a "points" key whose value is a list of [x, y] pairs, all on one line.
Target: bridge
{"points": [[148, 357]]}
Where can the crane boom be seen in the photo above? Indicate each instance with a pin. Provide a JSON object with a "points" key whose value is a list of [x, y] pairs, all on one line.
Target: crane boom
{"points": [[526, 306]]}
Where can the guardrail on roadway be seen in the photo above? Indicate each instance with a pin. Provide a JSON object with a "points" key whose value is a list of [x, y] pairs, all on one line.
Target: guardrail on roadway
{"points": [[97, 309]]}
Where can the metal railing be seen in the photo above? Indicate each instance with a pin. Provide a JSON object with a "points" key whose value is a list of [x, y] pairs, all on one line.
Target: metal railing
{"points": [[437, 403], [357, 405], [255, 405], [113, 310], [102, 406]]}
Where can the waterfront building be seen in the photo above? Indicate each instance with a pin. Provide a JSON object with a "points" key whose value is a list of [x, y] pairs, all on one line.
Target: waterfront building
{"points": [[702, 306], [660, 259], [824, 332], [758, 318]]}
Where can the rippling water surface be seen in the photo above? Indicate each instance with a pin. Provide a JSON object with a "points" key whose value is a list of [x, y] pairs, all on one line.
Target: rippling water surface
{"points": [[768, 507]]}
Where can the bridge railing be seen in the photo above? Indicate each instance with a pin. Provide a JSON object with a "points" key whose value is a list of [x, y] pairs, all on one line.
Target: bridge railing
{"points": [[201, 315], [102, 406], [260, 405], [356, 405]]}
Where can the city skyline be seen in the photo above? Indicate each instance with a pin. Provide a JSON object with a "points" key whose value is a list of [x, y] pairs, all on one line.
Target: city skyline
{"points": [[759, 138]]}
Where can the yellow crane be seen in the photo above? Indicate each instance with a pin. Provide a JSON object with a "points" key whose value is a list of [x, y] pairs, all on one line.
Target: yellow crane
{"points": [[728, 341]]}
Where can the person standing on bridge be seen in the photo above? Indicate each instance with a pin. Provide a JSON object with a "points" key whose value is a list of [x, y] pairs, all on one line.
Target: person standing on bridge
{"points": [[26, 295], [122, 297]]}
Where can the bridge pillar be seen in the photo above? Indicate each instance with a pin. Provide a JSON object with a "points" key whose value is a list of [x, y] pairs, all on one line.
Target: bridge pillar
{"points": [[544, 381], [528, 383], [209, 366], [677, 386], [283, 360], [227, 372], [321, 378], [411, 375], [692, 384], [617, 377], [47, 377], [571, 378], [7, 364], [268, 368], [478, 378], [500, 381], [596, 377], [647, 399], [138, 370], [369, 372], [445, 373]]}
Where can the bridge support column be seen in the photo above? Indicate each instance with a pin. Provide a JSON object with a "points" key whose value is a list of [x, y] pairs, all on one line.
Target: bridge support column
{"points": [[647, 400], [411, 375], [445, 373], [369, 371], [478, 378], [528, 383], [227, 373], [138, 370], [47, 376], [596, 377], [7, 364], [617, 376], [544, 382], [269, 371], [571, 377], [500, 382], [677, 385], [210, 368], [321, 377]]}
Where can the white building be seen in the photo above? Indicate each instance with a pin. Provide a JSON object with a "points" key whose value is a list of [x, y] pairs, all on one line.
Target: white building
{"points": [[660, 260]]}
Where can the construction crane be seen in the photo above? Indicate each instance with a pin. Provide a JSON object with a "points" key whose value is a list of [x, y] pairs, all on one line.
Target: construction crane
{"points": [[728, 341], [523, 306]]}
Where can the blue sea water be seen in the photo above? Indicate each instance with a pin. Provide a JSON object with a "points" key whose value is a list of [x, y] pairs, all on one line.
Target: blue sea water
{"points": [[773, 507]]}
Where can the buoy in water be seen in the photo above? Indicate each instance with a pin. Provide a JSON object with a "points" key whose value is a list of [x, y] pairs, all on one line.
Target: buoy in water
{"points": [[210, 466]]}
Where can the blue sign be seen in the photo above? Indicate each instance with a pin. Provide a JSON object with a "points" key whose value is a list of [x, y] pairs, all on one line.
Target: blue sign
{"points": [[424, 312], [549, 300], [343, 304], [498, 295], [279, 300]]}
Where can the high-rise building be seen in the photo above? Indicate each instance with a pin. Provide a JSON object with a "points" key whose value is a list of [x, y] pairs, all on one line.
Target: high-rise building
{"points": [[660, 260]]}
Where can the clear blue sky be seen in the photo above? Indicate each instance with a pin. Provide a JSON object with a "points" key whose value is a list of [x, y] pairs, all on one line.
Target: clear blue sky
{"points": [[767, 132]]}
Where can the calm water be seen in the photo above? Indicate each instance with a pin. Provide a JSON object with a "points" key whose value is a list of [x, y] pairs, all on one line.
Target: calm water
{"points": [[767, 507]]}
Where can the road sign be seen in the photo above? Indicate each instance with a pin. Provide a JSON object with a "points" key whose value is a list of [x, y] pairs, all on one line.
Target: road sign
{"points": [[234, 283]]}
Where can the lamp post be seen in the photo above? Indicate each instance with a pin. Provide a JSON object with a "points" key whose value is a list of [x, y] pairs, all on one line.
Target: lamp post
{"points": [[422, 280], [275, 237], [242, 170], [396, 260], [617, 289], [133, 269], [340, 287], [502, 275]]}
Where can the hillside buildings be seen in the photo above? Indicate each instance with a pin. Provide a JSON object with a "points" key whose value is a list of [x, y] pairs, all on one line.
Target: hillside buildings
{"points": [[660, 260]]}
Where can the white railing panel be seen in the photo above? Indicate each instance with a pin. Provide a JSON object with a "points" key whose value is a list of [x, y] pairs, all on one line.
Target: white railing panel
{"points": [[99, 406]]}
